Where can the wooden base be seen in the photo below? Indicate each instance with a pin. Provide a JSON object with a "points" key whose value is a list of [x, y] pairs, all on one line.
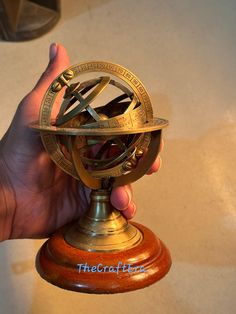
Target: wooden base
{"points": [[62, 265]]}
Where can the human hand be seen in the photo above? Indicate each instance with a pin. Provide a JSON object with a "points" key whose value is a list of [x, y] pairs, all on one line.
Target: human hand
{"points": [[39, 197]]}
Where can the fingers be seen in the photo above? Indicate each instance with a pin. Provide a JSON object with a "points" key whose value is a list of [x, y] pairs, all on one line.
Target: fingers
{"points": [[28, 110], [130, 211], [155, 166], [121, 199], [158, 162], [29, 107]]}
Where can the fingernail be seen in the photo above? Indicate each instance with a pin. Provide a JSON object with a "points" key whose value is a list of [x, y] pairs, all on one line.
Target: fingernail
{"points": [[131, 210], [157, 168], [127, 197], [134, 210], [120, 198], [52, 51]]}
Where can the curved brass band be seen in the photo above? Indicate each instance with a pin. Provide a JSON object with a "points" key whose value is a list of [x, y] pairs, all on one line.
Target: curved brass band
{"points": [[118, 176], [116, 169], [124, 74], [131, 119], [156, 124], [90, 181], [108, 162], [147, 161], [85, 102], [74, 94]]}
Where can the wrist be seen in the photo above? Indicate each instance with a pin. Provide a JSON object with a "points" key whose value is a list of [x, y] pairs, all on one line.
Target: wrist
{"points": [[7, 202]]}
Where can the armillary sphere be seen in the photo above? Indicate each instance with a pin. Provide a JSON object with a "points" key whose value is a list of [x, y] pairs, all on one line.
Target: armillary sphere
{"points": [[101, 131], [125, 123]]}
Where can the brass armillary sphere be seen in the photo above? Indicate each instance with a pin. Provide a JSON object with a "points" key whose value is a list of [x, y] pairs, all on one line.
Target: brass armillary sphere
{"points": [[104, 135]]}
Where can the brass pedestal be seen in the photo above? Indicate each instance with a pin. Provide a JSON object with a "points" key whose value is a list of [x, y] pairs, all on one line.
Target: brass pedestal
{"points": [[103, 253]]}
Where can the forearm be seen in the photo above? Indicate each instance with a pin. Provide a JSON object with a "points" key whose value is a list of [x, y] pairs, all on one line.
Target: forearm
{"points": [[7, 203]]}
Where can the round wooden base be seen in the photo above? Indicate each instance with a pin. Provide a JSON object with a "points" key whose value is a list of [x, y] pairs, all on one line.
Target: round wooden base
{"points": [[103, 272]]}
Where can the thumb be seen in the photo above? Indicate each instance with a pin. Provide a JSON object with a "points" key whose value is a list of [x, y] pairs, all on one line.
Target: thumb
{"points": [[58, 62], [28, 109], [27, 112]]}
